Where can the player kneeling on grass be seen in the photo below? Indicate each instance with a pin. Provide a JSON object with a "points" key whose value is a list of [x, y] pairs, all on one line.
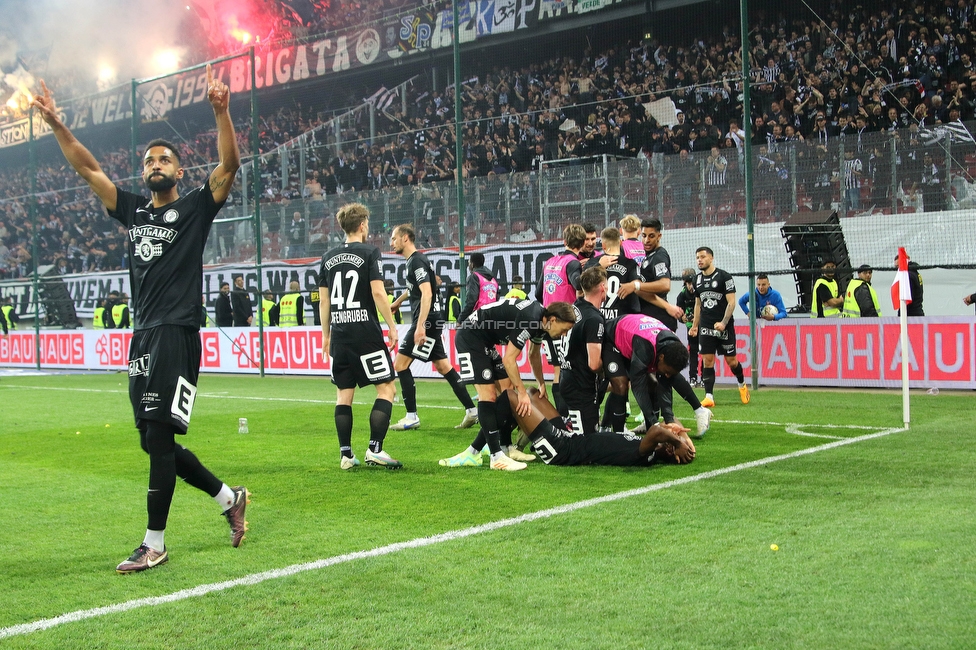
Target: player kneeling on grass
{"points": [[423, 341], [167, 234], [713, 324], [640, 353], [668, 443], [512, 323]]}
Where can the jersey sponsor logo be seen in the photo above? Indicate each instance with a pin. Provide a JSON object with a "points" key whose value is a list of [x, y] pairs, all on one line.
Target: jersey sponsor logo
{"points": [[661, 269], [183, 398], [544, 449], [344, 258], [420, 274], [423, 351], [170, 216], [730, 285], [377, 365], [706, 331], [149, 245], [139, 366], [552, 281], [465, 367], [709, 303]]}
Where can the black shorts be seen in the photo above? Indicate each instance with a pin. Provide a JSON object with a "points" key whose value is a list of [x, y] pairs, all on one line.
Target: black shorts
{"points": [[614, 362], [164, 363], [361, 362], [433, 347], [553, 350], [711, 341], [584, 410], [478, 363]]}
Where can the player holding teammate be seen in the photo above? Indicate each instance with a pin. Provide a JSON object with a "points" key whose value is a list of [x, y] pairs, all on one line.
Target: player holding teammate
{"points": [[513, 323], [423, 341], [352, 288], [167, 233], [713, 324]]}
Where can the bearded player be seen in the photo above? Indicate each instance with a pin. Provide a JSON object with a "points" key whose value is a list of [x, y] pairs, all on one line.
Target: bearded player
{"points": [[167, 233]]}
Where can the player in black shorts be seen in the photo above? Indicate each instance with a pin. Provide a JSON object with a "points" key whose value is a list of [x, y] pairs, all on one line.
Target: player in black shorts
{"points": [[167, 233], [713, 324], [655, 281], [667, 443], [513, 323], [583, 362], [352, 290], [423, 341]]}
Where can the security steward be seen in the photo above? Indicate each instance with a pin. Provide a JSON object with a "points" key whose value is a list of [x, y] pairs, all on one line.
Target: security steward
{"points": [[269, 317], [10, 317], [98, 318], [291, 307], [827, 299], [120, 312], [861, 300]]}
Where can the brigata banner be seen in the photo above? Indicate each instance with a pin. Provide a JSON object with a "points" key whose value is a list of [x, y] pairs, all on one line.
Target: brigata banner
{"points": [[408, 33], [794, 352]]}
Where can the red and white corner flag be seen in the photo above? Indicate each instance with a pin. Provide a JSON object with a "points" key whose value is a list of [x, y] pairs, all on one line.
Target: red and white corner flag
{"points": [[900, 290]]}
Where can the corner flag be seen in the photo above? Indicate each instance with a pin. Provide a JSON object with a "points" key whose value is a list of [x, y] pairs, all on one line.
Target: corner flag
{"points": [[900, 290]]}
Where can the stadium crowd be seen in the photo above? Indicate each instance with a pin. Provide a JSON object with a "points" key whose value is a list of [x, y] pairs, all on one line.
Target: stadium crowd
{"points": [[868, 70]]}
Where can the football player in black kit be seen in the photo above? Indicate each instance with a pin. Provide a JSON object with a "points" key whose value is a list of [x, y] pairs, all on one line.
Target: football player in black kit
{"points": [[167, 233], [713, 324], [581, 384], [667, 443], [655, 281], [622, 272], [352, 288], [513, 323], [423, 341]]}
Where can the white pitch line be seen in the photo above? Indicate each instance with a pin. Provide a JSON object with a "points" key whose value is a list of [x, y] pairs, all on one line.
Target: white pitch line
{"points": [[210, 395], [420, 542]]}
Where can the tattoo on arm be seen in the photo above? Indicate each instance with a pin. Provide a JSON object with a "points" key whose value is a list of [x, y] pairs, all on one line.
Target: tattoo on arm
{"points": [[217, 184]]}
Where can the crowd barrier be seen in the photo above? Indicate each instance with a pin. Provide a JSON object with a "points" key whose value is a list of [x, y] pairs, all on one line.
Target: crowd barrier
{"points": [[795, 352]]}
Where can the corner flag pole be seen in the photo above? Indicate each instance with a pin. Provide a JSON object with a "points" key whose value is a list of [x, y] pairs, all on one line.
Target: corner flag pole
{"points": [[901, 295]]}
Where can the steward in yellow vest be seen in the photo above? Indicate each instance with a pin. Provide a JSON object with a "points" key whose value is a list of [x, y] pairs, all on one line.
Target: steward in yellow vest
{"points": [[269, 313], [98, 319], [516, 290], [10, 317], [291, 307], [861, 300], [120, 313], [826, 299]]}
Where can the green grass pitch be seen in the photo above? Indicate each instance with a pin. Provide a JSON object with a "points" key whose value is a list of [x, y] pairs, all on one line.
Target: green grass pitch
{"points": [[875, 538]]}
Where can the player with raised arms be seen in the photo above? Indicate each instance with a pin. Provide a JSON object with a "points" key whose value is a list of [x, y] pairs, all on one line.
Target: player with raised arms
{"points": [[167, 233], [351, 285]]}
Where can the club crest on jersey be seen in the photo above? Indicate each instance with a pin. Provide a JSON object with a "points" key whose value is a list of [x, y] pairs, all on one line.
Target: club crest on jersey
{"points": [[170, 216]]}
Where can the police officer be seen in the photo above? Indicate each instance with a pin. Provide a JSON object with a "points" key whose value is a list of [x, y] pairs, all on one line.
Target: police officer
{"points": [[291, 307], [861, 300], [827, 299]]}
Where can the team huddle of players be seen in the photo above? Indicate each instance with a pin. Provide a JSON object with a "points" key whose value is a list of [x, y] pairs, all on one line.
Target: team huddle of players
{"points": [[602, 319]]}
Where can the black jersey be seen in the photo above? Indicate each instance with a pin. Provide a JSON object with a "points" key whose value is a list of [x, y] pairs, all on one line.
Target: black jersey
{"points": [[166, 249], [419, 273], [711, 290], [346, 272], [622, 271], [575, 370], [655, 266], [556, 446], [507, 322]]}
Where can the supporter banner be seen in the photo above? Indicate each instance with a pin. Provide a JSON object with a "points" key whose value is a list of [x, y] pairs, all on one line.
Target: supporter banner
{"points": [[85, 290], [414, 33], [855, 353]]}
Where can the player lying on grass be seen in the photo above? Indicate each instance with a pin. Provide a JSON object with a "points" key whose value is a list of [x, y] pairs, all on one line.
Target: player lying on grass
{"points": [[667, 443]]}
